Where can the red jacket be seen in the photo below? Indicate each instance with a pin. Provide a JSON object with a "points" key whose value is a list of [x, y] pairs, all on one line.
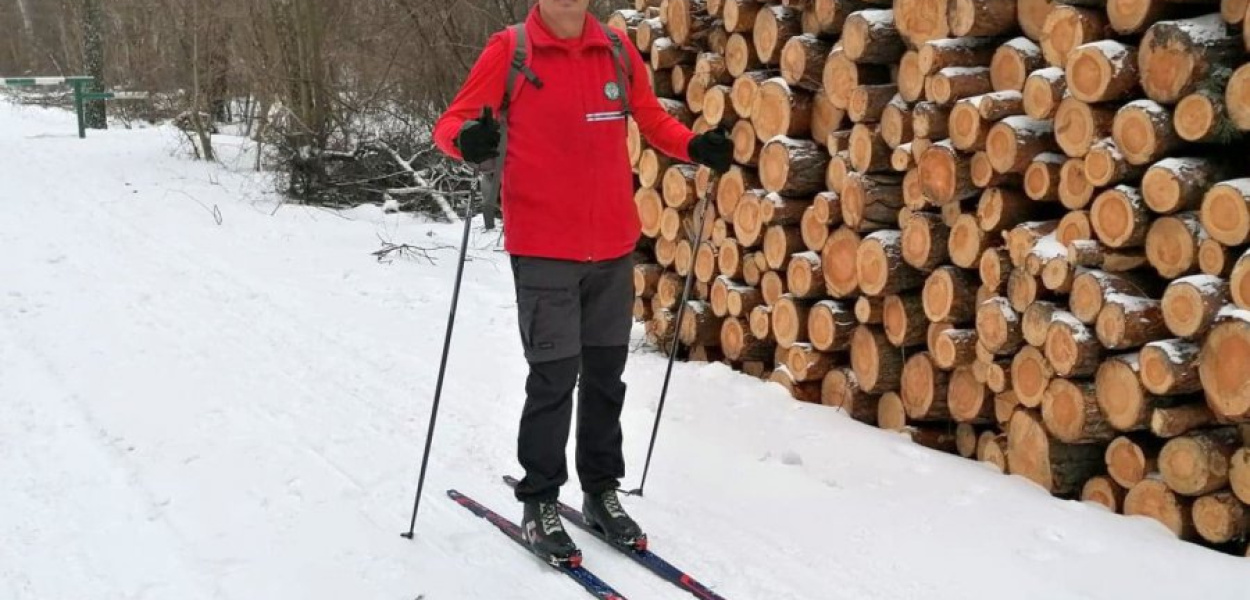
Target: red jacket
{"points": [[567, 188]]}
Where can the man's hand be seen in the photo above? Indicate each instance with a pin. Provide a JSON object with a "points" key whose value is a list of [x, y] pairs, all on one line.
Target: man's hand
{"points": [[713, 149], [479, 139]]}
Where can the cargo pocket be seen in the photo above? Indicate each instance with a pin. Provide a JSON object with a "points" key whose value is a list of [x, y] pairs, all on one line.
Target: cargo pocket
{"points": [[550, 322]]}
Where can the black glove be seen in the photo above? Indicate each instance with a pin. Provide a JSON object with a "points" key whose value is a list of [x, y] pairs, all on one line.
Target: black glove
{"points": [[479, 139], [713, 149]]}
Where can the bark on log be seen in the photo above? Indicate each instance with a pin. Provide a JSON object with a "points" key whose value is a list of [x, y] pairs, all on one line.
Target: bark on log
{"points": [[778, 109], [1078, 126], [981, 17], [1203, 117], [992, 447], [969, 400], [1120, 217], [1126, 404], [1105, 165], [842, 75], [938, 54], [867, 103], [1071, 347], [1130, 459], [1075, 190], [880, 267], [1103, 491], [924, 241], [739, 344], [949, 296], [896, 123], [803, 61], [1102, 71], [868, 151], [1226, 212], [1058, 467], [1170, 367], [1068, 27], [871, 36], [1013, 62], [924, 389], [1220, 518], [807, 364], [921, 20], [1190, 304], [904, 320], [1144, 132], [1173, 421], [792, 167], [1031, 375], [830, 325], [837, 260], [1031, 15], [1130, 322], [967, 242], [1013, 143], [1222, 366], [1178, 184], [738, 16], [930, 120], [1070, 412], [948, 85], [1178, 56], [891, 415], [1091, 287], [741, 58], [774, 26], [1044, 89], [804, 277], [954, 348], [946, 174], [1035, 322], [1041, 179], [998, 326], [1152, 498], [877, 364], [840, 389], [1199, 463]]}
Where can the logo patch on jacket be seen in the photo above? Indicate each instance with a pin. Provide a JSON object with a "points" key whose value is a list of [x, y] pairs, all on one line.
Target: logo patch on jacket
{"points": [[612, 91]]}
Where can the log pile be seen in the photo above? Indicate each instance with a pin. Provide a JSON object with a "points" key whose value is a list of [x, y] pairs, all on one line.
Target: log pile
{"points": [[1018, 230]]}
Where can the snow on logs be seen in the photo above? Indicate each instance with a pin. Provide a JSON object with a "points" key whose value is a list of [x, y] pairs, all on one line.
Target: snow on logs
{"points": [[1013, 229]]}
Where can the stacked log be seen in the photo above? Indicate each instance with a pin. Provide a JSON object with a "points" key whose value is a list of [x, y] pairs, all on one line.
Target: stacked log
{"points": [[1015, 230]]}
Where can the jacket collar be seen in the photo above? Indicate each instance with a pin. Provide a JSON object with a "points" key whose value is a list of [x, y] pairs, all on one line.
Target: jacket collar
{"points": [[592, 33]]}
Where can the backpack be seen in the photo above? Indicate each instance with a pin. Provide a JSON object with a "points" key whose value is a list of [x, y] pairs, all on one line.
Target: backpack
{"points": [[520, 67]]}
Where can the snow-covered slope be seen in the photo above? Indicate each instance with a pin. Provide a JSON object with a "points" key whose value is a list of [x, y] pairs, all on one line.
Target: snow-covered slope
{"points": [[195, 410]]}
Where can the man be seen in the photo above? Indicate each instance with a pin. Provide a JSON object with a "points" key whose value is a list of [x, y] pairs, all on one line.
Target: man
{"points": [[570, 225]]}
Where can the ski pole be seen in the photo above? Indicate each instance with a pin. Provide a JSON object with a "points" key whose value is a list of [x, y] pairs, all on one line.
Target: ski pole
{"points": [[451, 321], [700, 213]]}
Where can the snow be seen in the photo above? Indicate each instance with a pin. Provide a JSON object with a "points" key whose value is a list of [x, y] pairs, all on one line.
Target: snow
{"points": [[1178, 351], [1202, 31], [1117, 54], [1025, 46], [1049, 74], [1206, 285], [232, 411]]}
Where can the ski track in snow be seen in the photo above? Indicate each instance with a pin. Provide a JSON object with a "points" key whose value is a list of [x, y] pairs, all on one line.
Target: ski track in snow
{"points": [[236, 411]]}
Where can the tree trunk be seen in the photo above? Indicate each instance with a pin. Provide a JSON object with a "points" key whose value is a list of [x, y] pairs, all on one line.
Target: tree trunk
{"points": [[1043, 91], [871, 36], [1068, 27], [1198, 463], [1102, 71], [1013, 62], [1144, 132], [1152, 498], [981, 17], [1178, 56], [774, 26], [1058, 467], [1170, 367], [803, 61], [877, 364]]}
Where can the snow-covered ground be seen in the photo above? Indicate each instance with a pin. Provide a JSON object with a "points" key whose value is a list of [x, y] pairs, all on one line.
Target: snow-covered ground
{"points": [[192, 409]]}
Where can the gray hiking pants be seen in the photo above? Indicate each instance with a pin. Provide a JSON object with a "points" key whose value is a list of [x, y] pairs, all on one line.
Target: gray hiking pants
{"points": [[575, 319]]}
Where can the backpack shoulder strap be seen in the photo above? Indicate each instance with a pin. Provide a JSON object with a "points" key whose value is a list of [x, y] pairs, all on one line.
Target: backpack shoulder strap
{"points": [[520, 64], [621, 60]]}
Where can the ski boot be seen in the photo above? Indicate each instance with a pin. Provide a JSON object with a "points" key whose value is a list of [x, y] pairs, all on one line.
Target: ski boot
{"points": [[547, 538], [603, 512]]}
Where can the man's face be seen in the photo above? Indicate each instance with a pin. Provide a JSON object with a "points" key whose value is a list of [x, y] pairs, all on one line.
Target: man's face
{"points": [[565, 7]]}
